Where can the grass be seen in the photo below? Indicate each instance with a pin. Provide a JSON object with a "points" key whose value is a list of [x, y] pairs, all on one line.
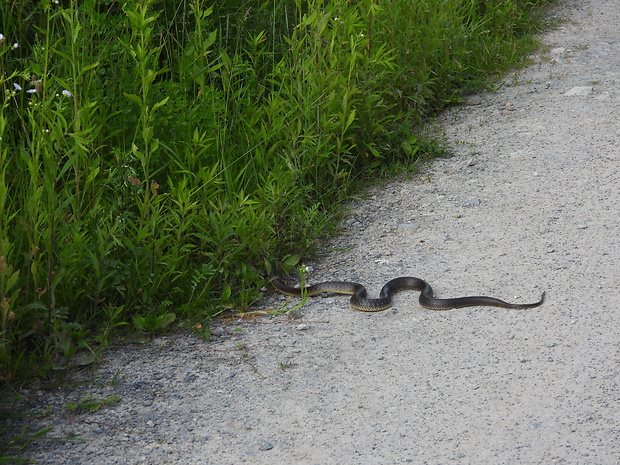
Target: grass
{"points": [[14, 440], [158, 161]]}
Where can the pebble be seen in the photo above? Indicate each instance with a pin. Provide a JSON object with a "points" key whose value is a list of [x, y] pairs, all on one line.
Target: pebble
{"points": [[471, 203], [263, 444], [407, 229], [219, 331], [473, 100], [579, 91], [303, 327], [352, 222], [295, 314]]}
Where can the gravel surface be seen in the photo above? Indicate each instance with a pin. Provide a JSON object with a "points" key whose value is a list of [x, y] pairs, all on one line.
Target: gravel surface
{"points": [[528, 203]]}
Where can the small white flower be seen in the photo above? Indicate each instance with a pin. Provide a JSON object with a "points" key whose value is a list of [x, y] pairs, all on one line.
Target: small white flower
{"points": [[32, 91], [15, 45], [1, 37], [17, 86], [66, 93]]}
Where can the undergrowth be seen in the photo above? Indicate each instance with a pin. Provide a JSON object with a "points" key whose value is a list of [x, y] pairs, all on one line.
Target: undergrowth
{"points": [[158, 159]]}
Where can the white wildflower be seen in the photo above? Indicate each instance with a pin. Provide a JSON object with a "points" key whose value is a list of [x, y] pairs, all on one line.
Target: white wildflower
{"points": [[32, 91], [17, 86], [66, 93], [15, 45]]}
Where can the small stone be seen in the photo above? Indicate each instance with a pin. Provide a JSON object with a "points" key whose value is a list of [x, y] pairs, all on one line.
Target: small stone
{"points": [[457, 215], [303, 327], [579, 91], [550, 344], [295, 314], [219, 331], [264, 445], [83, 359], [471, 162], [407, 229], [353, 223], [471, 203]]}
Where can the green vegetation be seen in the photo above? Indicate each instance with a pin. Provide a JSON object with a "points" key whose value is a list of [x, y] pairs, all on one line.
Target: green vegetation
{"points": [[159, 158], [14, 439], [91, 403]]}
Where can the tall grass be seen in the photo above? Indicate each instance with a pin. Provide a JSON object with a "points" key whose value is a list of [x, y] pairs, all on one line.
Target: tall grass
{"points": [[159, 159]]}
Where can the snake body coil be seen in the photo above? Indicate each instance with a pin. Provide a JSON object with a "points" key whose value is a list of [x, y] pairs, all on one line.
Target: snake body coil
{"points": [[359, 299]]}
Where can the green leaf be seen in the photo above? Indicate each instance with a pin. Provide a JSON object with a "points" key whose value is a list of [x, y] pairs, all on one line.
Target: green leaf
{"points": [[226, 293], [12, 280], [86, 68], [133, 97], [291, 262], [350, 119], [163, 321], [160, 104], [410, 145], [139, 322]]}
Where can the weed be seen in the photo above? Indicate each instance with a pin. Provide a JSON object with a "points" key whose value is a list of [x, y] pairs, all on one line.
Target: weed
{"points": [[91, 403], [287, 365], [153, 323], [14, 441]]}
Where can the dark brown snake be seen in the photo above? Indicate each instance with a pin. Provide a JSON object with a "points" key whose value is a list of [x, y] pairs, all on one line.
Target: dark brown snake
{"points": [[359, 299]]}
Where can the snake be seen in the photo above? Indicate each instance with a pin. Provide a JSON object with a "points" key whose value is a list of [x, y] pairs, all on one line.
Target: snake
{"points": [[360, 301]]}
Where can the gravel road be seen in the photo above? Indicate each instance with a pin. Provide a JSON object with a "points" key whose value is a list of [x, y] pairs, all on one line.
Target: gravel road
{"points": [[528, 203]]}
